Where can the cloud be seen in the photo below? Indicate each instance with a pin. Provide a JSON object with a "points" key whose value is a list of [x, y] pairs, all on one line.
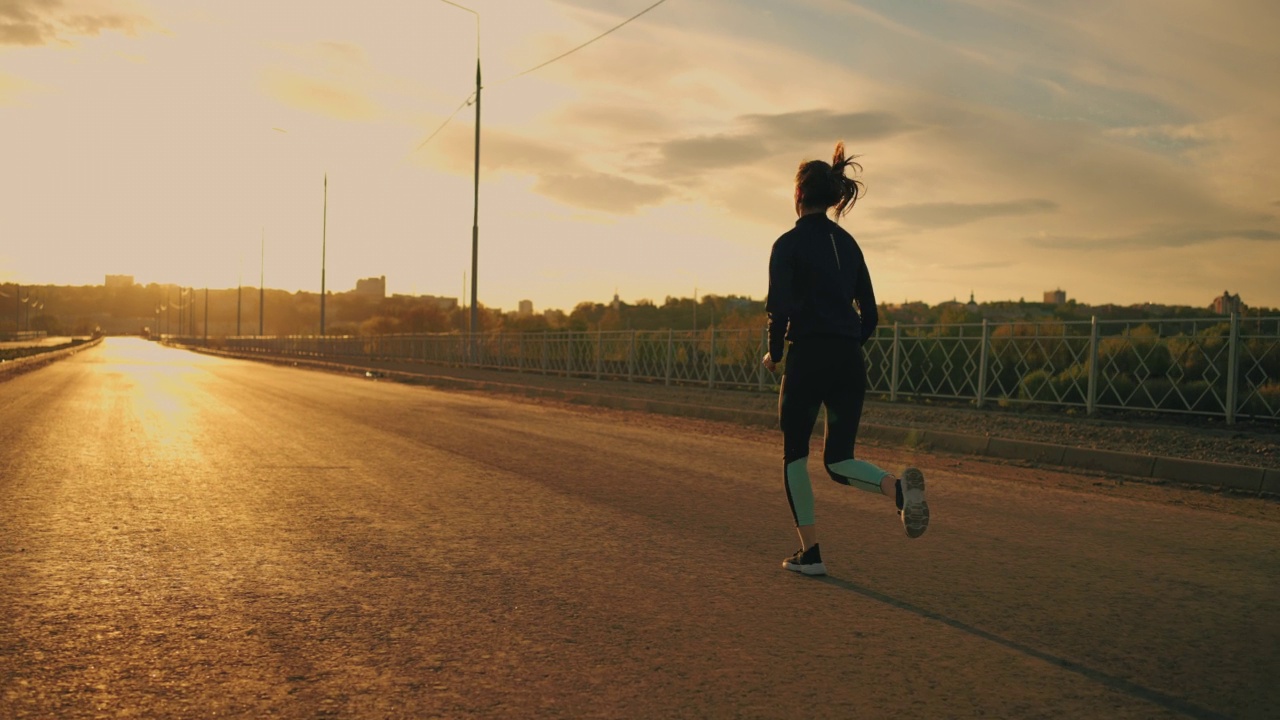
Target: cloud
{"points": [[1168, 138], [615, 121], [710, 152], [503, 151], [1154, 238], [950, 214], [320, 96], [825, 126], [44, 22], [601, 191], [767, 135], [559, 172]]}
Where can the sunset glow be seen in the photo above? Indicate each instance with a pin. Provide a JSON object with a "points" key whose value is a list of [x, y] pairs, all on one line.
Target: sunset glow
{"points": [[1123, 152]]}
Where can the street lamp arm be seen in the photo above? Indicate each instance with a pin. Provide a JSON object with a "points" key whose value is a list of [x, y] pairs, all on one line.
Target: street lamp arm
{"points": [[473, 12]]}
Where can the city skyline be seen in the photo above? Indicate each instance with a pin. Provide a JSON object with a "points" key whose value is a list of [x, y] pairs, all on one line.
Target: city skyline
{"points": [[1128, 154], [368, 287]]}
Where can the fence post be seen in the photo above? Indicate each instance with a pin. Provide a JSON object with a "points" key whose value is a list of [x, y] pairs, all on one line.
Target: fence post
{"points": [[1233, 369], [544, 352], [1091, 403], [893, 370], [711, 369], [631, 357], [599, 351], [764, 345], [670, 351], [982, 364]]}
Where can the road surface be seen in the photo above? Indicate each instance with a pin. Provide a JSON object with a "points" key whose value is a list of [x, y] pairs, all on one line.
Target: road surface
{"points": [[186, 536]]}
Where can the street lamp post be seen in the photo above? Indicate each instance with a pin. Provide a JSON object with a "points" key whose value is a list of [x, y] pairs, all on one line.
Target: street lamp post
{"points": [[262, 290], [475, 217], [324, 238]]}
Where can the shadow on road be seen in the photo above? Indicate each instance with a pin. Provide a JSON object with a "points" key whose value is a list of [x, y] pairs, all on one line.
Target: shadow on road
{"points": [[1118, 684]]}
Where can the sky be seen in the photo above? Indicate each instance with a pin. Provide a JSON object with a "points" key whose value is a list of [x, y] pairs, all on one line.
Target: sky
{"points": [[1125, 152]]}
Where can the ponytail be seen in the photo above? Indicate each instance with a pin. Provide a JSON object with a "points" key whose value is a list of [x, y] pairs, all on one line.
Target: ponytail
{"points": [[822, 185]]}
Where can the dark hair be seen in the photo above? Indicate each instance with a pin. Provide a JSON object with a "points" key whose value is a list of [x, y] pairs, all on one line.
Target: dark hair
{"points": [[823, 185]]}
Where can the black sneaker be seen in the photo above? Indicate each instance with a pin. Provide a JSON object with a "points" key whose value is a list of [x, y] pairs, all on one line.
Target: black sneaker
{"points": [[913, 510], [808, 562]]}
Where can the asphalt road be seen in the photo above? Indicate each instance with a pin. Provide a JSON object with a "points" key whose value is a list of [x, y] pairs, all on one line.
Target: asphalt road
{"points": [[184, 536]]}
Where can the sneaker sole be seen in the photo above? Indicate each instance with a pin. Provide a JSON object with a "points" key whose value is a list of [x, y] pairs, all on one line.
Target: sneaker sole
{"points": [[915, 511], [810, 569]]}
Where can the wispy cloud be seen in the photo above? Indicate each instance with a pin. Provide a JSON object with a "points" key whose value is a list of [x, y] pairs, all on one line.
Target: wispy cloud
{"points": [[599, 191], [323, 96], [1165, 138], [759, 136], [1154, 238], [949, 214], [45, 22], [821, 125]]}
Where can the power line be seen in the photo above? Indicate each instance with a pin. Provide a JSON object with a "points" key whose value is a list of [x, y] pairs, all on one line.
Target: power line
{"points": [[446, 122], [471, 97], [576, 49]]}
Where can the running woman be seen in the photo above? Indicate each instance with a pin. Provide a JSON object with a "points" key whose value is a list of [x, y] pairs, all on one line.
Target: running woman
{"points": [[816, 274]]}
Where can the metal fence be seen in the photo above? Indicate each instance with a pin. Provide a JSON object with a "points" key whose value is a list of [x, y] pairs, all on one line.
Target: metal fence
{"points": [[1225, 367]]}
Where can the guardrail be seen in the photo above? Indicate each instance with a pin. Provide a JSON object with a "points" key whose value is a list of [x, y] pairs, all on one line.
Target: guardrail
{"points": [[1225, 367]]}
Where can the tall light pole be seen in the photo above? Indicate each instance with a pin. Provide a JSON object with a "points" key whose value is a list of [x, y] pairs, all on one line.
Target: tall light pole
{"points": [[261, 288], [206, 314], [475, 217], [324, 237]]}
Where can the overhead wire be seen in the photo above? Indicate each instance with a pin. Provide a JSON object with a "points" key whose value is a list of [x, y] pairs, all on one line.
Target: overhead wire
{"points": [[453, 114], [576, 49], [471, 98]]}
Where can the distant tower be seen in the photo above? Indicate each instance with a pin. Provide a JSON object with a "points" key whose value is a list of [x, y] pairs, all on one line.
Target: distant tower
{"points": [[1055, 297], [1226, 304]]}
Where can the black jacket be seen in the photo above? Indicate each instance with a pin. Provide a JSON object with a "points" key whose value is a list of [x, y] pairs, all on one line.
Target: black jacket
{"points": [[816, 272]]}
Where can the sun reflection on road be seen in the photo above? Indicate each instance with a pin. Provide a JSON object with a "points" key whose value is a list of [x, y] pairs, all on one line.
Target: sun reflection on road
{"points": [[160, 387]]}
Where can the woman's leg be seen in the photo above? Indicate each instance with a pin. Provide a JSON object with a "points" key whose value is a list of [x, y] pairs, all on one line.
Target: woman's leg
{"points": [[797, 412], [846, 394], [844, 414], [798, 403]]}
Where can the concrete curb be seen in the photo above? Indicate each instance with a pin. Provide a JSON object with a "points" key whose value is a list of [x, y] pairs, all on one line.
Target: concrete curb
{"points": [[1179, 470], [31, 362]]}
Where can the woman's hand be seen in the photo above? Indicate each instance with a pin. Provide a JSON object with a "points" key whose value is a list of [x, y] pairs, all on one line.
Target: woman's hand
{"points": [[769, 364]]}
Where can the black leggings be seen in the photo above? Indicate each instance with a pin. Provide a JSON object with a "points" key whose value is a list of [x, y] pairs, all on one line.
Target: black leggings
{"points": [[823, 370]]}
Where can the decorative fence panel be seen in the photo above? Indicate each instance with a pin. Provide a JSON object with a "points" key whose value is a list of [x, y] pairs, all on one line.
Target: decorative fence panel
{"points": [[1226, 367]]}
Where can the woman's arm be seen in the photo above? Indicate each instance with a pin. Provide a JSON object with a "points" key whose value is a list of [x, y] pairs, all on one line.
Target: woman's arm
{"points": [[780, 302]]}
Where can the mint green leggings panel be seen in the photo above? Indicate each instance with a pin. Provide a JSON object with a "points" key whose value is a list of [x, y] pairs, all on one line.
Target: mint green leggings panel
{"points": [[856, 473], [830, 372]]}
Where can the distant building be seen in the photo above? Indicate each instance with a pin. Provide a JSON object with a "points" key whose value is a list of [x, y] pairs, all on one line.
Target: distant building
{"points": [[1055, 297], [119, 281], [973, 304], [376, 287], [1227, 304], [444, 303], [526, 308]]}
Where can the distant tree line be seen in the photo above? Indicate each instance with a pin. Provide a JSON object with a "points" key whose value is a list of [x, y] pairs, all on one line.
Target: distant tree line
{"points": [[79, 310]]}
